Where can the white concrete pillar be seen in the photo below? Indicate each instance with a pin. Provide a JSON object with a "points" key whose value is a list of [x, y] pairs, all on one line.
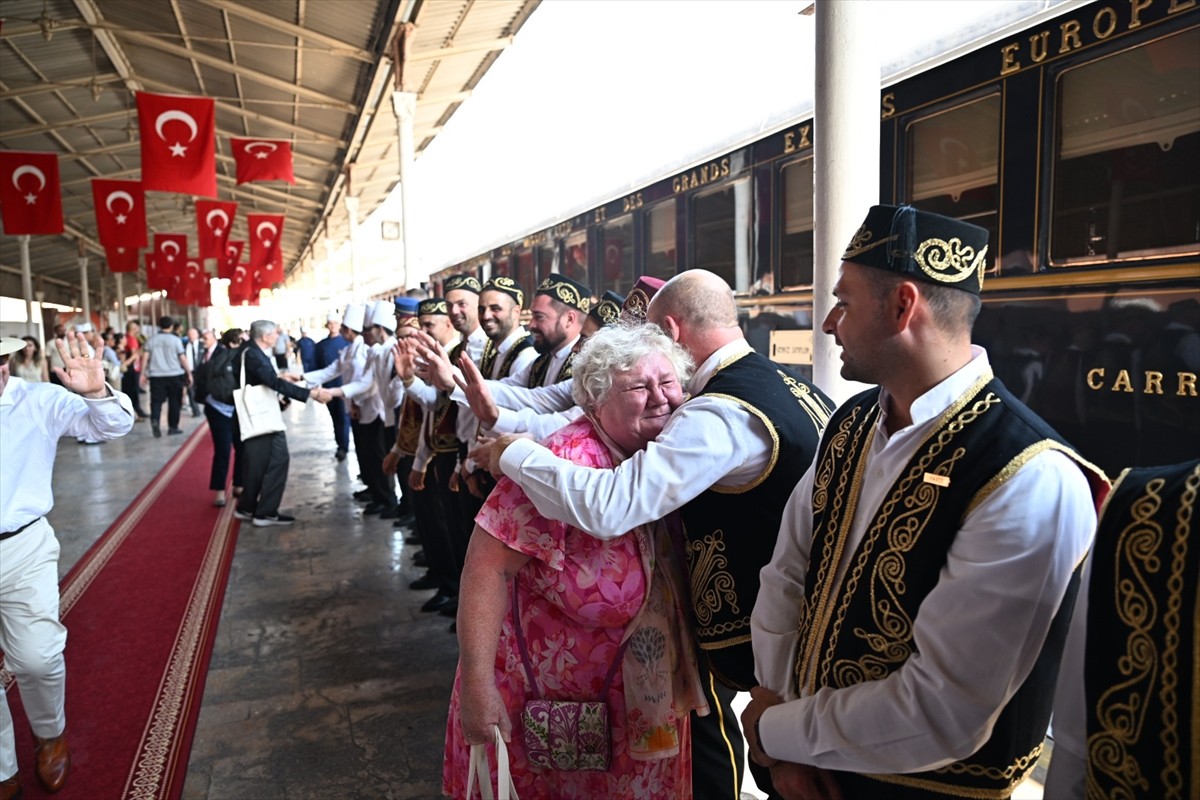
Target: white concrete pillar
{"points": [[40, 333], [846, 164], [352, 213], [121, 316], [86, 302], [27, 285], [405, 105]]}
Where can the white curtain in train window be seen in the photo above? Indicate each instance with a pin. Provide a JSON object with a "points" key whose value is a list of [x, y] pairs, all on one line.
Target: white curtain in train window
{"points": [[955, 152]]}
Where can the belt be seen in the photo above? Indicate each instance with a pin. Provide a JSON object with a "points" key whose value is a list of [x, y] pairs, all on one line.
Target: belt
{"points": [[10, 534]]}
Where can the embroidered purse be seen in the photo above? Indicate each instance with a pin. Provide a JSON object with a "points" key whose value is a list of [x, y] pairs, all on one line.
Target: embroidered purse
{"points": [[565, 735]]}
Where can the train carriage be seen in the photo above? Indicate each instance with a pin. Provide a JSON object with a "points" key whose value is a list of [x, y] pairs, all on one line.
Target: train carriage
{"points": [[1076, 142]]}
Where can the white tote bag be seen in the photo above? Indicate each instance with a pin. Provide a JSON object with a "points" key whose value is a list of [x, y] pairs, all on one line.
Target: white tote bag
{"points": [[258, 411], [479, 767]]}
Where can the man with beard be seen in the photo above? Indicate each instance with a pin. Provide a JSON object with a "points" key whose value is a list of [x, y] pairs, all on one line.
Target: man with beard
{"points": [[560, 305]]}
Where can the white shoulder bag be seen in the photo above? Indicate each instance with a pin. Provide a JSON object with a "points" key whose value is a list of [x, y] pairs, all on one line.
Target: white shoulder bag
{"points": [[479, 767], [258, 411]]}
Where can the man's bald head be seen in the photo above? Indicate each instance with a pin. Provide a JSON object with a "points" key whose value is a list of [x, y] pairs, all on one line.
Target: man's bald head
{"points": [[698, 299]]}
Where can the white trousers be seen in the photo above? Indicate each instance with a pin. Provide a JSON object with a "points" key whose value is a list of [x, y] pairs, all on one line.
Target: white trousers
{"points": [[31, 636]]}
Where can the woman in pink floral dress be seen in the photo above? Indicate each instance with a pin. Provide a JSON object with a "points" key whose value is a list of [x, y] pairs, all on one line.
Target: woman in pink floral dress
{"points": [[580, 598]]}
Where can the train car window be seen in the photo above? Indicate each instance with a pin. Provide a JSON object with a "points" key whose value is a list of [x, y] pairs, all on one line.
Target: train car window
{"points": [[721, 233], [796, 241], [1127, 170], [661, 251], [548, 257], [501, 266], [954, 163], [527, 274], [575, 260], [618, 254]]}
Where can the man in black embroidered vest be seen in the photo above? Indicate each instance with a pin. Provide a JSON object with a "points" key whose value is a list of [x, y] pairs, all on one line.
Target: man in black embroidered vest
{"points": [[1127, 708], [559, 308], [728, 458], [910, 623]]}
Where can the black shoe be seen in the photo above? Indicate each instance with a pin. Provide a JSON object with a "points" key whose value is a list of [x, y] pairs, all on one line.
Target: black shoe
{"points": [[340, 455], [420, 559], [390, 513], [412, 540], [363, 495], [424, 582], [437, 603], [156, 430], [450, 609], [405, 520], [375, 508], [242, 515], [277, 519], [173, 431]]}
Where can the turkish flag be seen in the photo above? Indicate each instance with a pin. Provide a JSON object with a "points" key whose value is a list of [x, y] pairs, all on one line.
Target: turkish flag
{"points": [[30, 195], [120, 213], [121, 259], [241, 286], [228, 262], [170, 251], [190, 285], [263, 160], [213, 221], [266, 254], [156, 279], [179, 143]]}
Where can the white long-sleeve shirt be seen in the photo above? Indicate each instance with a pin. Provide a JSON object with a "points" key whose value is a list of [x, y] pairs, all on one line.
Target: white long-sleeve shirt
{"points": [[978, 633], [707, 441], [351, 367], [33, 416]]}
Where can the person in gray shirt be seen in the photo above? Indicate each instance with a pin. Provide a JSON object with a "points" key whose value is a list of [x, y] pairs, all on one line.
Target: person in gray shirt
{"points": [[165, 365]]}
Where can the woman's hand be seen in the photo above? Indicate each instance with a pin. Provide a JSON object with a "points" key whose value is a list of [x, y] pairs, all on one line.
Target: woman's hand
{"points": [[481, 708]]}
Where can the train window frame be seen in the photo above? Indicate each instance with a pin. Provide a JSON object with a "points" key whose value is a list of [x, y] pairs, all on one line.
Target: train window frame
{"points": [[1054, 78], [744, 179], [642, 261], [602, 230], [779, 224]]}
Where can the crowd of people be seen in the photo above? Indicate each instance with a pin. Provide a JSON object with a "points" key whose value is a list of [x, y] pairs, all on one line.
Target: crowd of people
{"points": [[631, 515]]}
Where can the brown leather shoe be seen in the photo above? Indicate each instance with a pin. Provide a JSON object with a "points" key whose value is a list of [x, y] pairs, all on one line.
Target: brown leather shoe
{"points": [[11, 788], [53, 762]]}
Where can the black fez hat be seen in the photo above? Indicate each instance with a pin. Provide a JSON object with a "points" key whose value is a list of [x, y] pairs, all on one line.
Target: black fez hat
{"points": [[462, 281], [505, 284], [433, 305], [566, 291], [608, 310], [921, 245]]}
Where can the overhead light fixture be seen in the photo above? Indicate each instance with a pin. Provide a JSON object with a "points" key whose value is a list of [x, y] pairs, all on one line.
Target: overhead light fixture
{"points": [[46, 23]]}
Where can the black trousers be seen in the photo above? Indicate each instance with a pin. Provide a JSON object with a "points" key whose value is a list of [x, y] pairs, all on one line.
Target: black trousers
{"points": [[131, 387], [169, 388], [341, 423], [266, 469], [442, 515], [406, 494], [225, 442], [718, 749], [368, 444]]}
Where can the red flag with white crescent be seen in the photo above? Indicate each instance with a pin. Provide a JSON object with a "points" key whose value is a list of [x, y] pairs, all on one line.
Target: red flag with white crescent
{"points": [[156, 279], [179, 143], [121, 259], [170, 252], [213, 222], [228, 262], [30, 195], [263, 160], [120, 208], [266, 253], [241, 286]]}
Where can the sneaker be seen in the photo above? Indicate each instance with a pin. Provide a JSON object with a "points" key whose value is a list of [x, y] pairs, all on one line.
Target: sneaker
{"points": [[363, 495], [157, 430], [173, 431], [340, 455], [239, 514], [278, 519]]}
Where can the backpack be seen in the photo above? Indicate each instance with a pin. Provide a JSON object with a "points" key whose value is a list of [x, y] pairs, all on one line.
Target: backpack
{"points": [[217, 377]]}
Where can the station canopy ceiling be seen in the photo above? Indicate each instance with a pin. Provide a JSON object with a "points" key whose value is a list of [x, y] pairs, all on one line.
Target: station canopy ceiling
{"points": [[319, 73]]}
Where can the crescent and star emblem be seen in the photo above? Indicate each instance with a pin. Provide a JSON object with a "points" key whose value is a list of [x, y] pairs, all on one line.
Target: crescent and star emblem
{"points": [[208, 220], [178, 150], [118, 195], [29, 169], [268, 225], [170, 244], [270, 148]]}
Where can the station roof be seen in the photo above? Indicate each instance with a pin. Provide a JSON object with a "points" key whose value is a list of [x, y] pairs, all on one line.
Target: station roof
{"points": [[318, 73]]}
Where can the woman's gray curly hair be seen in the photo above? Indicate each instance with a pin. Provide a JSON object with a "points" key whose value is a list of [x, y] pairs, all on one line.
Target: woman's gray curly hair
{"points": [[616, 349]]}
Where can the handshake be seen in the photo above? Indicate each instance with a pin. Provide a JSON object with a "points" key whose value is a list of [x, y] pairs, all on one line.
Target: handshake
{"points": [[318, 393]]}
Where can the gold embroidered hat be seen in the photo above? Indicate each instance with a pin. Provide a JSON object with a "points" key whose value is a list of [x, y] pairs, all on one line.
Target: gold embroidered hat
{"points": [[566, 291], [503, 283], [434, 305], [407, 309], [639, 296], [608, 310], [921, 245], [462, 281]]}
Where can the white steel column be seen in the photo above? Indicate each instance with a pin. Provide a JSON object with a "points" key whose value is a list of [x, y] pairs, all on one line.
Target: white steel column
{"points": [[27, 284], [86, 300], [405, 106], [846, 165], [352, 213], [120, 303]]}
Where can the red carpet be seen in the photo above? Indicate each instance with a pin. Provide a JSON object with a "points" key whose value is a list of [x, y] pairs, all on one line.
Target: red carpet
{"points": [[141, 610]]}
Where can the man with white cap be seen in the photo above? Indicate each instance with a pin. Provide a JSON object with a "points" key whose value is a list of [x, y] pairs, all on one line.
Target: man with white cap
{"points": [[350, 367], [326, 353], [32, 418], [376, 408]]}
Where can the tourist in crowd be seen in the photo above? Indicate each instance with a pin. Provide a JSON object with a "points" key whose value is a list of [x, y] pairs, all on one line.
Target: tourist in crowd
{"points": [[131, 366], [33, 416], [28, 363], [165, 367], [266, 457], [215, 382], [615, 605], [306, 351], [910, 623], [192, 350]]}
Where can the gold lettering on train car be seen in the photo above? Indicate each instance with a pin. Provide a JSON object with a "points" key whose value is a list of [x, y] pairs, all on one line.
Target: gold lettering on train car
{"points": [[725, 167], [1122, 383], [632, 202], [790, 145], [1153, 382], [889, 105], [1180, 5], [1070, 37], [1095, 378], [1136, 7], [1008, 58], [1104, 33], [1037, 54], [599, 215], [1187, 380]]}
